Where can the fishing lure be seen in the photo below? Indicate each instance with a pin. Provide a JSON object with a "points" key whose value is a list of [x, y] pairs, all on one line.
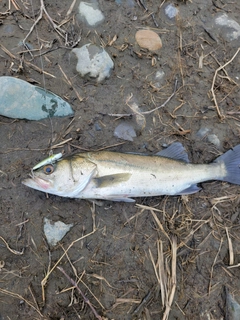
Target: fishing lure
{"points": [[50, 160]]}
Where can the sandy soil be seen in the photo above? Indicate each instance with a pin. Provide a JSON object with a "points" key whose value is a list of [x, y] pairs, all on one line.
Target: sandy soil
{"points": [[120, 254]]}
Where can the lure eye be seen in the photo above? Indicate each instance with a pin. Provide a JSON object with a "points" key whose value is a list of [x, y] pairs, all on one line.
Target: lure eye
{"points": [[48, 169]]}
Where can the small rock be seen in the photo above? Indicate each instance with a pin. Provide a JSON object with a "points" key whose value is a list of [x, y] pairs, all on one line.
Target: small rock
{"points": [[233, 307], [229, 28], [27, 44], [222, 27], [128, 3], [212, 138], [171, 11], [90, 13], [9, 30], [22, 100], [97, 126], [55, 231], [93, 61], [159, 76], [125, 131], [202, 132], [148, 39]]}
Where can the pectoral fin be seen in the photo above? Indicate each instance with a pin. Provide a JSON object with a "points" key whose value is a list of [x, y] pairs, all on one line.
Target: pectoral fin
{"points": [[113, 179]]}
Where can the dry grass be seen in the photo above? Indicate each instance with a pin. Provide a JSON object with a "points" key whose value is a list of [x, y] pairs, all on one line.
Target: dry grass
{"points": [[221, 116]]}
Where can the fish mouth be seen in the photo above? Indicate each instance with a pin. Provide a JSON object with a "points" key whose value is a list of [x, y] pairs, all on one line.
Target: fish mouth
{"points": [[37, 183]]}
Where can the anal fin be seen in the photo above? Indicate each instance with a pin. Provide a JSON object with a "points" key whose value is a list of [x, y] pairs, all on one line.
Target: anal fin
{"points": [[119, 198], [190, 190]]}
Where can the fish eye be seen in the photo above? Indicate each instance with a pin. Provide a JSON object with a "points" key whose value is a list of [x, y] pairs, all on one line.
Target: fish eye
{"points": [[48, 169]]}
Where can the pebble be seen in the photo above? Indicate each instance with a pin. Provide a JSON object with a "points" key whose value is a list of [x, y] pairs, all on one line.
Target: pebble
{"points": [[22, 100], [128, 3], [223, 27], [232, 306], [202, 132], [158, 79], [90, 13], [9, 30], [55, 231], [97, 126], [171, 11], [212, 138], [93, 61], [229, 28], [148, 39], [125, 131]]}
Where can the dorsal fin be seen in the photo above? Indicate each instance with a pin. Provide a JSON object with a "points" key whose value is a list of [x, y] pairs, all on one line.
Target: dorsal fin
{"points": [[175, 151]]}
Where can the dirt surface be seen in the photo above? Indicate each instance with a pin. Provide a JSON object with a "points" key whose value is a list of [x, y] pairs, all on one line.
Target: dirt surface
{"points": [[118, 253]]}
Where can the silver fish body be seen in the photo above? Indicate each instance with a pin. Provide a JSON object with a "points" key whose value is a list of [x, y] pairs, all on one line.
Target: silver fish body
{"points": [[122, 176]]}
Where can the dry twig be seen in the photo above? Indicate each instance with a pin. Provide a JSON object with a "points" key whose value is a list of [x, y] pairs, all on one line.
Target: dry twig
{"points": [[44, 281], [221, 116], [141, 113], [85, 299], [33, 66], [18, 296], [214, 262], [172, 280], [166, 280], [230, 248], [60, 31], [11, 250], [70, 84]]}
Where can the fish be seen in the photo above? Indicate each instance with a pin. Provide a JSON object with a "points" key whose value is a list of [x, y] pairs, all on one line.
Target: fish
{"points": [[115, 176]]}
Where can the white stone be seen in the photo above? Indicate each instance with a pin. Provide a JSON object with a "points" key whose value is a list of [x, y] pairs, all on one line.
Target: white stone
{"points": [[55, 231], [171, 11], [203, 132], [233, 28], [125, 131], [91, 13], [212, 138], [93, 61], [159, 75]]}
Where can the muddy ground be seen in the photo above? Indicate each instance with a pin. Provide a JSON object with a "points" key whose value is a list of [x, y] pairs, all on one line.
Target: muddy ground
{"points": [[112, 249]]}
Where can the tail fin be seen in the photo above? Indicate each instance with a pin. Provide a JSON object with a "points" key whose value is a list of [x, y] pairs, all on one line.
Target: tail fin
{"points": [[231, 159]]}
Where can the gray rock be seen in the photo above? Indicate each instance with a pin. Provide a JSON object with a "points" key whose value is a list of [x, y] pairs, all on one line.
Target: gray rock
{"points": [[212, 138], [55, 231], [128, 3], [93, 61], [90, 13], [159, 78], [22, 100], [228, 28], [9, 30], [171, 11], [203, 132], [125, 131], [233, 307], [222, 27]]}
